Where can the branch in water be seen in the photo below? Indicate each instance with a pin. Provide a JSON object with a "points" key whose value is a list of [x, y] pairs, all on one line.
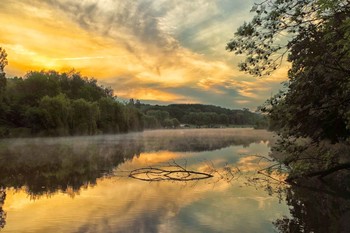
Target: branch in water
{"points": [[170, 173]]}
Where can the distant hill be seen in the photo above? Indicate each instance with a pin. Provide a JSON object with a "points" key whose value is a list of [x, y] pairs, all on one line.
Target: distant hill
{"points": [[202, 114]]}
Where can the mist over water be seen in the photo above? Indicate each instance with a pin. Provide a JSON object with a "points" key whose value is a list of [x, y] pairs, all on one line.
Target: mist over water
{"points": [[81, 184], [81, 160]]}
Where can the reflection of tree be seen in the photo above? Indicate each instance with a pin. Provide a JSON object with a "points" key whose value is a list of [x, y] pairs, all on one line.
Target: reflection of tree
{"points": [[202, 140], [316, 207], [47, 165], [44, 169], [2, 212]]}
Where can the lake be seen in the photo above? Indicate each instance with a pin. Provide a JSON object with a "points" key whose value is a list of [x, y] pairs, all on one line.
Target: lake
{"points": [[193, 180]]}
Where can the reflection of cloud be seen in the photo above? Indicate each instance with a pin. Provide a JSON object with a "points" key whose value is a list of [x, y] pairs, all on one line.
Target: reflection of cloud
{"points": [[254, 164], [126, 205], [111, 206], [251, 163], [119, 204], [149, 159]]}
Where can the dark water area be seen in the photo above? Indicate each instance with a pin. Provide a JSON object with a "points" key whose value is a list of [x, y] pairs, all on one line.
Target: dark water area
{"points": [[82, 184]]}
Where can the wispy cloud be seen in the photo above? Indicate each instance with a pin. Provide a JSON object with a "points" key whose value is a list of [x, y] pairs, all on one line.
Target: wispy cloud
{"points": [[160, 51], [78, 58]]}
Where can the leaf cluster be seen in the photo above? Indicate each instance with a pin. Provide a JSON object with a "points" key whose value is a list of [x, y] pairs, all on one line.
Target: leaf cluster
{"points": [[269, 36]]}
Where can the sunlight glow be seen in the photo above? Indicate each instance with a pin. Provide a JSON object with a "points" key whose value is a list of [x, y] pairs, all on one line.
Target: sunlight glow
{"points": [[144, 57]]}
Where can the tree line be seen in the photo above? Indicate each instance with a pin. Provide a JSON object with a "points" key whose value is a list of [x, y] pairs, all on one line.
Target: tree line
{"points": [[202, 115], [49, 103]]}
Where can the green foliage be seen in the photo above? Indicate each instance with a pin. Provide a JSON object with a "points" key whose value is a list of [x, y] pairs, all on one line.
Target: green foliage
{"points": [[168, 123], [134, 118], [150, 122], [55, 113], [316, 101], [160, 115], [200, 114], [262, 123], [84, 117], [52, 103], [171, 123], [3, 63], [35, 117], [223, 119], [112, 116], [175, 123], [347, 115], [318, 95], [262, 39], [158, 118], [3, 107]]}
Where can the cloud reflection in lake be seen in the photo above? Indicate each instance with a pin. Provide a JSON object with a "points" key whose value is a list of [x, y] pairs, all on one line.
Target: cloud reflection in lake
{"points": [[72, 181]]}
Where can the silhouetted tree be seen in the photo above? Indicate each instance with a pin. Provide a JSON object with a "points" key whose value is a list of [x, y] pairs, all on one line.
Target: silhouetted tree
{"points": [[3, 106], [3, 63], [316, 103]]}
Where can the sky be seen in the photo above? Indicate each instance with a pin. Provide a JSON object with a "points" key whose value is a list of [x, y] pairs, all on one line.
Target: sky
{"points": [[158, 51]]}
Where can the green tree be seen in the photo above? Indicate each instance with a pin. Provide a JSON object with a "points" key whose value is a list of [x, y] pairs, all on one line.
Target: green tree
{"points": [[112, 116], [150, 122], [168, 123], [55, 113], [316, 102], [262, 39], [108, 121], [36, 119], [160, 115], [3, 106], [223, 119], [134, 118], [3, 63], [84, 117], [31, 89], [49, 102], [175, 123]]}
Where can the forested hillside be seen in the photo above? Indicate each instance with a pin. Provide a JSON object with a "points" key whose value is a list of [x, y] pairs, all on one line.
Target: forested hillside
{"points": [[201, 115]]}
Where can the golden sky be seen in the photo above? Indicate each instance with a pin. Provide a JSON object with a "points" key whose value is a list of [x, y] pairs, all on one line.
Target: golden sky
{"points": [[159, 51]]}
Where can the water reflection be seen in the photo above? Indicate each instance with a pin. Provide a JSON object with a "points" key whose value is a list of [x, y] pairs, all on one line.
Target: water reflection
{"points": [[45, 166], [79, 185], [2, 213], [75, 184], [315, 206], [118, 205]]}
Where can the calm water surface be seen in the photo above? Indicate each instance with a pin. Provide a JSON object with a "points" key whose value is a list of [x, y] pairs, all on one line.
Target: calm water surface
{"points": [[81, 184]]}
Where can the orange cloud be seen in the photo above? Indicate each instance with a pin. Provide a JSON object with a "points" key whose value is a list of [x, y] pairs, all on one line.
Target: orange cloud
{"points": [[115, 42], [149, 94]]}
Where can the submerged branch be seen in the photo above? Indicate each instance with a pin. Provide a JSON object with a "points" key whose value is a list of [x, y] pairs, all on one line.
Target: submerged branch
{"points": [[168, 174]]}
